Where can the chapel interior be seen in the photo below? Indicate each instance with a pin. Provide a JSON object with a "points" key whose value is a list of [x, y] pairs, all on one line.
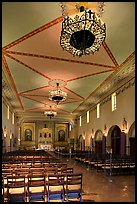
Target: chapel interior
{"points": [[68, 102]]}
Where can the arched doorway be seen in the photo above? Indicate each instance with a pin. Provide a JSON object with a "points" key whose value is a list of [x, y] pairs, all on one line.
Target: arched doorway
{"points": [[131, 135], [98, 142], [115, 140]]}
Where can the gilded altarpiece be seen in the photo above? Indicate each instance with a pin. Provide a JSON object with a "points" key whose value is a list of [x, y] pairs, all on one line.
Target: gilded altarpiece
{"points": [[45, 138], [28, 135], [61, 135]]}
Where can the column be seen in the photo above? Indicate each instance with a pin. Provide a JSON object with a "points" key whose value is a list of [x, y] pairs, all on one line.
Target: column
{"points": [[91, 144]]}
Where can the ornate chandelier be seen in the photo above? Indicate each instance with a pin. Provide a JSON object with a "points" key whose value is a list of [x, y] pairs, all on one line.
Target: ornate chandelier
{"points": [[57, 95], [83, 34], [50, 113]]}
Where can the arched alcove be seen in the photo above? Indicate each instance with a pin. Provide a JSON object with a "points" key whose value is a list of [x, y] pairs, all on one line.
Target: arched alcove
{"points": [[79, 143], [131, 136], [98, 142], [113, 139]]}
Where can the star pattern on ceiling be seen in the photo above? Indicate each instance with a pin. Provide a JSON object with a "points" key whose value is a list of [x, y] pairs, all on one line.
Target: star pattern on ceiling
{"points": [[31, 62]]}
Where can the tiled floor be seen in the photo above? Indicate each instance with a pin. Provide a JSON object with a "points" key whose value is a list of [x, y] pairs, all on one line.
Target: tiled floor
{"points": [[98, 187]]}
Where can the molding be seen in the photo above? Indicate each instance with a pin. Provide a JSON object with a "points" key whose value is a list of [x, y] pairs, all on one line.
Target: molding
{"points": [[119, 90]]}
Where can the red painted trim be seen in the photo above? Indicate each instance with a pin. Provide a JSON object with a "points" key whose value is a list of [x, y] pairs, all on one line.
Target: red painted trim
{"points": [[90, 75], [110, 54], [11, 80], [33, 89], [127, 59], [108, 78], [33, 95], [59, 59], [34, 32], [28, 66], [31, 109], [33, 99], [73, 92]]}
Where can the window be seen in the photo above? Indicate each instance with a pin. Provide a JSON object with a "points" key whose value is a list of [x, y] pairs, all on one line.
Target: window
{"points": [[80, 120], [8, 112], [70, 127], [12, 118], [87, 116], [113, 101], [98, 110]]}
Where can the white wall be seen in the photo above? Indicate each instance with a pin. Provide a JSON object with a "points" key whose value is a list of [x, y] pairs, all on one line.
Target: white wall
{"points": [[125, 108], [10, 128]]}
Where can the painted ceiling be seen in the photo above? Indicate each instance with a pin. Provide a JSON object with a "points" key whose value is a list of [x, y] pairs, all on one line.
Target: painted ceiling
{"points": [[33, 60]]}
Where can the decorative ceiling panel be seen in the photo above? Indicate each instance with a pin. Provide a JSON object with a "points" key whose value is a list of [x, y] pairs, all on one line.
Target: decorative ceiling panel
{"points": [[120, 29], [24, 17], [32, 58], [86, 85], [60, 69], [25, 78]]}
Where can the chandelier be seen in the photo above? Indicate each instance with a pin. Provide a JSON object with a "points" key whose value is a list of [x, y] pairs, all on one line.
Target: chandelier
{"points": [[83, 34], [50, 113], [57, 95]]}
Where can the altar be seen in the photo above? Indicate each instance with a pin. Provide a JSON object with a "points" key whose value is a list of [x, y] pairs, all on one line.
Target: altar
{"points": [[48, 147]]}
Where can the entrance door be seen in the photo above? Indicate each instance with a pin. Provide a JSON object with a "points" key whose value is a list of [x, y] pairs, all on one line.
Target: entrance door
{"points": [[115, 140], [98, 147], [132, 146]]}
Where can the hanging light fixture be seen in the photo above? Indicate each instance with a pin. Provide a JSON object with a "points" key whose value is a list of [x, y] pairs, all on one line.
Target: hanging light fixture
{"points": [[58, 95], [83, 34], [50, 113]]}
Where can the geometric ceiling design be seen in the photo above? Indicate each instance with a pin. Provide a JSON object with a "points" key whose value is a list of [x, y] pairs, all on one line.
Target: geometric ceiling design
{"points": [[32, 57]]}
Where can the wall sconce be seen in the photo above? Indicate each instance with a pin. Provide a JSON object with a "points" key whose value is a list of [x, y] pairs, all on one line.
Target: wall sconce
{"points": [[70, 127], [92, 133], [10, 134], [105, 130], [84, 135], [18, 142], [124, 125], [5, 132]]}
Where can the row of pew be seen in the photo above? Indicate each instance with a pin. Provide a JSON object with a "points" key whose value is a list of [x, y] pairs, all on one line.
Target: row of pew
{"points": [[37, 179], [114, 166]]}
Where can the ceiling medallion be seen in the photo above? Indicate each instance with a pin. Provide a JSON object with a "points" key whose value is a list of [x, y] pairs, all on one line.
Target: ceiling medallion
{"points": [[57, 95], [50, 113], [83, 34]]}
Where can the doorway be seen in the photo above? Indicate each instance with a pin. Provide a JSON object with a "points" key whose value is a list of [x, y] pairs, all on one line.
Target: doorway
{"points": [[115, 140], [132, 146]]}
